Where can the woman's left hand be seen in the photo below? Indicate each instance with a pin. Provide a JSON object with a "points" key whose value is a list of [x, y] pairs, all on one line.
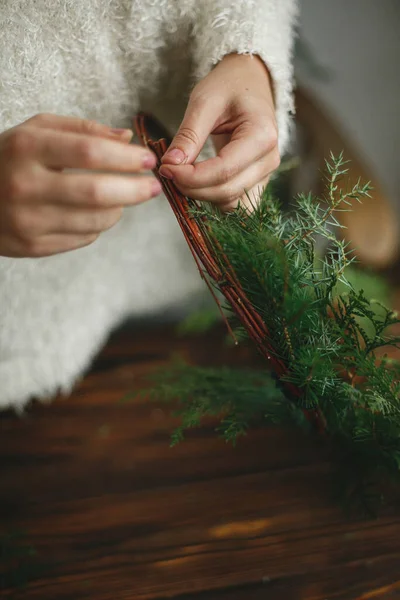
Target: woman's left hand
{"points": [[235, 105]]}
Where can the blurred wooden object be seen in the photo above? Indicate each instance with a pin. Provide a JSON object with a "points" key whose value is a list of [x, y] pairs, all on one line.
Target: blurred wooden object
{"points": [[372, 227], [107, 511]]}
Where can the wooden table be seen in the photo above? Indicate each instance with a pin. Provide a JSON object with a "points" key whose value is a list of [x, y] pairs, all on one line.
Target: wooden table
{"points": [[94, 504]]}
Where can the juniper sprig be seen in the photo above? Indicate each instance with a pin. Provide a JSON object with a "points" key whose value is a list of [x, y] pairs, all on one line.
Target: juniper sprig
{"points": [[323, 340]]}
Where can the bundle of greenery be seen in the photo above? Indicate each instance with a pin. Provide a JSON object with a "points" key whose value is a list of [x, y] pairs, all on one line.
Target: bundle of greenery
{"points": [[323, 340]]}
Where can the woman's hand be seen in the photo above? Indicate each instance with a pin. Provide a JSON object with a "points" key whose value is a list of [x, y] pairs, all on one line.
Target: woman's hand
{"points": [[234, 104], [44, 210]]}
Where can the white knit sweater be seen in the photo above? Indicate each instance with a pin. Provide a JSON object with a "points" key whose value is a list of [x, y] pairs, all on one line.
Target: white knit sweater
{"points": [[104, 60]]}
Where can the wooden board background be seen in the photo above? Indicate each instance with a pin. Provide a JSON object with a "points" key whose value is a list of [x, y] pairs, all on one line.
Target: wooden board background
{"points": [[95, 505]]}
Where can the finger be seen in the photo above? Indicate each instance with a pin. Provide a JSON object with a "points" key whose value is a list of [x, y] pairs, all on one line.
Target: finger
{"points": [[68, 150], [198, 122], [227, 195], [81, 221], [77, 125], [48, 245], [58, 244], [253, 196], [99, 191], [248, 145]]}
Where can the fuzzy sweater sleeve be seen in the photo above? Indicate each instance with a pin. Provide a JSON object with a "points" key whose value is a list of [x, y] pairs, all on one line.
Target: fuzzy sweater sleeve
{"points": [[262, 27]]}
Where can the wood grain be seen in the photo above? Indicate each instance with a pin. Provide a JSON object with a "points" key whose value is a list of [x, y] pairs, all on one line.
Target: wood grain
{"points": [[106, 510]]}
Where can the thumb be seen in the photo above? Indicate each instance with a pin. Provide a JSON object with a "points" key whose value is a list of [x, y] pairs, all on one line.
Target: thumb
{"points": [[199, 121]]}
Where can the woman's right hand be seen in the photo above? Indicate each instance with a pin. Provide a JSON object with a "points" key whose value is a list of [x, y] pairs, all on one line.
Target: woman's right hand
{"points": [[44, 210]]}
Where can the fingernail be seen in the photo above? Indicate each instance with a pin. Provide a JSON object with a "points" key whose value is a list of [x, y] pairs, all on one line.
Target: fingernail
{"points": [[149, 161], [166, 173], [176, 156], [156, 188]]}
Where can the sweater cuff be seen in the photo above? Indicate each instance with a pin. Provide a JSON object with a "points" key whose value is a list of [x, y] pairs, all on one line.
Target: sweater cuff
{"points": [[256, 27]]}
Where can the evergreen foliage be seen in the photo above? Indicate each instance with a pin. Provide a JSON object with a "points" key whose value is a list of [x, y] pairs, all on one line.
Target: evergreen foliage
{"points": [[328, 336]]}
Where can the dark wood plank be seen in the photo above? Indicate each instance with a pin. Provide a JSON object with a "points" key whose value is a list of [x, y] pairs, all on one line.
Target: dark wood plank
{"points": [[361, 581], [107, 510]]}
